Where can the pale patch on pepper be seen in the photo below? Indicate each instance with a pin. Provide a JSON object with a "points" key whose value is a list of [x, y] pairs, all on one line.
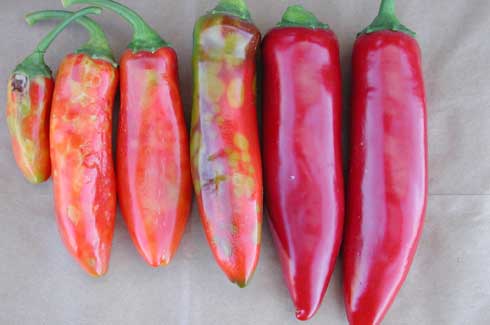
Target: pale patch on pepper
{"points": [[243, 184], [220, 120], [234, 158], [241, 141], [73, 214], [212, 41], [246, 157], [151, 78], [235, 93], [251, 169], [214, 88]]}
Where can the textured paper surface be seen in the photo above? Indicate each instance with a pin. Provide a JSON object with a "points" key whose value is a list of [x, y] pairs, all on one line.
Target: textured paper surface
{"points": [[448, 284]]}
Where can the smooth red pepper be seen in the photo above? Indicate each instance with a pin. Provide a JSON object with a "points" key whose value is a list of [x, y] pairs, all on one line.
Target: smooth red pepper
{"points": [[81, 152], [302, 153], [29, 94], [388, 169], [225, 151], [153, 164]]}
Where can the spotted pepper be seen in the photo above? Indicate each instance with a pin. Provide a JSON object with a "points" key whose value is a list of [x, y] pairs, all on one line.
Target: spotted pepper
{"points": [[29, 94], [81, 151], [225, 151], [153, 164]]}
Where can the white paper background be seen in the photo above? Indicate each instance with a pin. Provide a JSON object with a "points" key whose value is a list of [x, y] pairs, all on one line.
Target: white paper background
{"points": [[448, 284]]}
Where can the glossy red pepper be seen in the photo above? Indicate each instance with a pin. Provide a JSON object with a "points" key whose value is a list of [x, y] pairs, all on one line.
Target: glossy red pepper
{"points": [[29, 95], [81, 152], [225, 151], [302, 153], [153, 164], [388, 169]]}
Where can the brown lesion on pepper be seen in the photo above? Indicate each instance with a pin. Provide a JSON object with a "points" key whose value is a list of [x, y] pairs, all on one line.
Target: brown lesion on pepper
{"points": [[19, 82], [216, 181]]}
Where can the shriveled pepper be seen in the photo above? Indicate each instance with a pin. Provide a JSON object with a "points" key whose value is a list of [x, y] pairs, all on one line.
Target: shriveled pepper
{"points": [[388, 169], [81, 151], [225, 152], [29, 94], [153, 164], [302, 153]]}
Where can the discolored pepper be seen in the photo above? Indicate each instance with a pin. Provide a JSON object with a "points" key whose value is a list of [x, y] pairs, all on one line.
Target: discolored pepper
{"points": [[225, 152], [29, 94], [153, 164], [81, 151], [302, 153], [388, 170]]}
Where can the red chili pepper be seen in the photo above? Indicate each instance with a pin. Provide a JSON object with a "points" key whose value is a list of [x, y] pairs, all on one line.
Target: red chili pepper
{"points": [[29, 95], [302, 153], [388, 170], [225, 151], [153, 164], [81, 151]]}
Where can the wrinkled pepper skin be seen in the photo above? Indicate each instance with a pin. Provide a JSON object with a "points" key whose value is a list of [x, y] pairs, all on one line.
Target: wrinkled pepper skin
{"points": [[81, 153], [388, 172], [225, 150], [28, 106], [154, 179], [303, 158]]}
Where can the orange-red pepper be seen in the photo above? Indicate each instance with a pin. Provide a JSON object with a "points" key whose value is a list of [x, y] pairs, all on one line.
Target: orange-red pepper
{"points": [[81, 152], [29, 94], [153, 165]]}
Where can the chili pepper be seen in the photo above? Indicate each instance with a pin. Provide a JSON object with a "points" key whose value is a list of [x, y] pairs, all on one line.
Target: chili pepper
{"points": [[388, 169], [81, 150], [302, 153], [29, 94], [225, 151], [153, 164]]}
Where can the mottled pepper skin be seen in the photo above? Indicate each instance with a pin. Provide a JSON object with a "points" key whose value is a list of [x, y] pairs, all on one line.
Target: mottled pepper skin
{"points": [[81, 153], [153, 164], [28, 105], [225, 151]]}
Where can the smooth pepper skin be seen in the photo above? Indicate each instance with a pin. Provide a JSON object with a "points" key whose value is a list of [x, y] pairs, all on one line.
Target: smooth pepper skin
{"points": [[225, 150], [81, 153], [153, 165], [302, 157], [28, 106], [388, 172]]}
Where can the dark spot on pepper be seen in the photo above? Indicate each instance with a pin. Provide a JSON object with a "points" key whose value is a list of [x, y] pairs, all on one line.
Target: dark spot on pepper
{"points": [[19, 82]]}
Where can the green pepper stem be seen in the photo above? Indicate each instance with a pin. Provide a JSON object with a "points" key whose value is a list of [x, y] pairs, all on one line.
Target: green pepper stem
{"points": [[97, 45], [236, 8], [145, 38], [387, 20], [297, 16], [34, 63]]}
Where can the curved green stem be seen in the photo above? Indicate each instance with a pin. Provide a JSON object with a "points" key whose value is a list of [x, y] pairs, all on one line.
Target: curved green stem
{"points": [[34, 64], [387, 20], [297, 16], [97, 45], [236, 8], [145, 38]]}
